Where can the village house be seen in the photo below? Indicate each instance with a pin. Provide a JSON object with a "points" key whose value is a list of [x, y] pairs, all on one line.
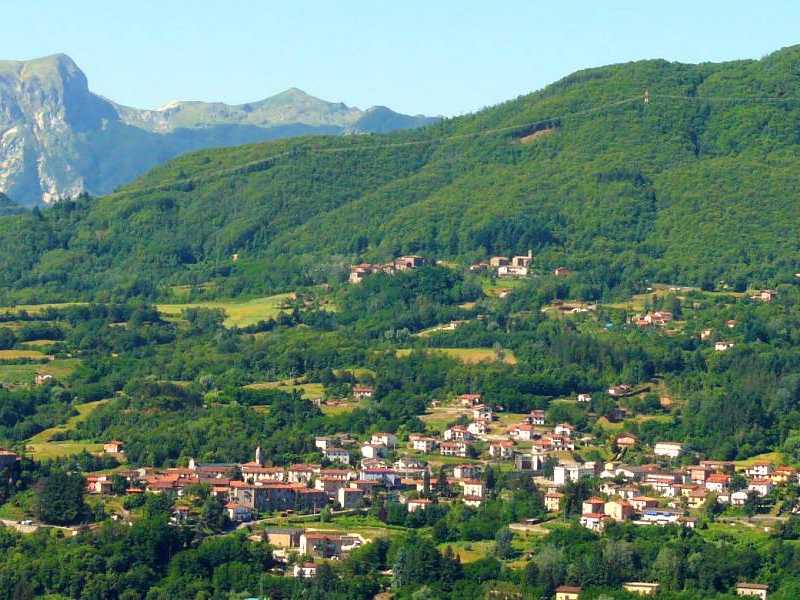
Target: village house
{"points": [[252, 472], [453, 449], [762, 487], [595, 521], [617, 391], [718, 483], [537, 417], [483, 412], [738, 498], [324, 442], [405, 263], [283, 537], [522, 432], [552, 501], [466, 471], [42, 378], [301, 473], [723, 346], [322, 545], [562, 272], [757, 590], [641, 588], [478, 428], [349, 497], [706, 334], [568, 592], [339, 455], [593, 505], [114, 447], [472, 487], [456, 433], [415, 504], [422, 443], [373, 450], [784, 474], [668, 449], [469, 400], [306, 570], [661, 516], [731, 323], [98, 484], [498, 261], [387, 439], [387, 477], [619, 510], [572, 472], [238, 513], [502, 449], [626, 440], [362, 392], [584, 398], [642, 503], [512, 271], [765, 295], [759, 470], [564, 429]]}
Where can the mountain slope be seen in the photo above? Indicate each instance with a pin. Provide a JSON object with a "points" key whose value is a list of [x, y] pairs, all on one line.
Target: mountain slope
{"points": [[57, 139], [699, 185], [8, 206]]}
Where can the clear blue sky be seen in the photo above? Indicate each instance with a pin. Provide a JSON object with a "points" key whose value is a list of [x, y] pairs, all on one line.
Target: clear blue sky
{"points": [[434, 57]]}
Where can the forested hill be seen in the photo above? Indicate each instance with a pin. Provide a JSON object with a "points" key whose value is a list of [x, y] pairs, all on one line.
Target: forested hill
{"points": [[698, 185]]}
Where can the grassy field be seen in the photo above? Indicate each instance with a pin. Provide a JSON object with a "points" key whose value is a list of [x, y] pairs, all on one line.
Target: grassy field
{"points": [[40, 446], [18, 354], [468, 552], [35, 309], [774, 458], [239, 313], [23, 374], [341, 408], [468, 356], [38, 343], [309, 390]]}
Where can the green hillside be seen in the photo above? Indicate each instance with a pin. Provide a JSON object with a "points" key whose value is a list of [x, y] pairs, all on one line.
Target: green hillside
{"points": [[698, 185]]}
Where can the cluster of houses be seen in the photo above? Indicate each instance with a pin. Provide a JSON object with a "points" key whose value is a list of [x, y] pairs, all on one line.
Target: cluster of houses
{"points": [[657, 318], [503, 266], [653, 495], [403, 263], [643, 588]]}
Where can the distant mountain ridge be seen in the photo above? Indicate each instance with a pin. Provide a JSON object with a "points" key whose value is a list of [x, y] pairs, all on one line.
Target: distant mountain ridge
{"points": [[59, 139]]}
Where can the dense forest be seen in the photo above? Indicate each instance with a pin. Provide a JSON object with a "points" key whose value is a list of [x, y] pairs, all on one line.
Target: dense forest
{"points": [[696, 186]]}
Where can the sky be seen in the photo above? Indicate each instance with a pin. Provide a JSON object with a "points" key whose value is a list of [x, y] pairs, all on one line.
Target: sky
{"points": [[434, 57]]}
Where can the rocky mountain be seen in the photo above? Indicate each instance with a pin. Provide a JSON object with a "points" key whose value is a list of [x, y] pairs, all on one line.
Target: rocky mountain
{"points": [[59, 139]]}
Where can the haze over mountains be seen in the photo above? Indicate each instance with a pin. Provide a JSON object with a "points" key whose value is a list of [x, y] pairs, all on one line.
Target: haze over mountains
{"points": [[59, 139]]}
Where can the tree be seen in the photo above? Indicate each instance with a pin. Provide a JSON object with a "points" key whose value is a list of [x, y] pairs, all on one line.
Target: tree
{"points": [[61, 500], [503, 539], [212, 514], [442, 485]]}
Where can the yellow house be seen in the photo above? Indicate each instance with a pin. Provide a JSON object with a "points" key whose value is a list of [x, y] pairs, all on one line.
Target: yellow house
{"points": [[756, 590], [568, 592]]}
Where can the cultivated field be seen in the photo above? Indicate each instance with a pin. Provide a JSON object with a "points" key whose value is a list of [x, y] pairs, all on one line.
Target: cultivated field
{"points": [[468, 355], [40, 446], [239, 313], [25, 373]]}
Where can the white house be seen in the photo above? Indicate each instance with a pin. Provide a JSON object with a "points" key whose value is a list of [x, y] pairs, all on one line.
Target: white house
{"points": [[668, 449]]}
